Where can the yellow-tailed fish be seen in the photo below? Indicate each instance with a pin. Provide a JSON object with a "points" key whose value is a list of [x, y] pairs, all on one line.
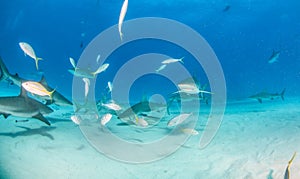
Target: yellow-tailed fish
{"points": [[121, 17], [28, 50], [140, 122], [37, 88], [112, 106]]}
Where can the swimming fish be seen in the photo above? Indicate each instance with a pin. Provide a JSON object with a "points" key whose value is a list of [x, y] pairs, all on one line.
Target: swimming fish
{"points": [[172, 60], [101, 69], [110, 86], [161, 68], [72, 61], [28, 50], [37, 88], [76, 119], [178, 119], [105, 119], [140, 122], [98, 58], [121, 17], [287, 171], [86, 86], [189, 131], [274, 57], [266, 95], [112, 106]]}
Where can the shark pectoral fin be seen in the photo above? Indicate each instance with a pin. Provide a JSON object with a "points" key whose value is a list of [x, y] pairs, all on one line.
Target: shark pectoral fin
{"points": [[40, 117], [48, 102], [259, 100], [5, 115]]}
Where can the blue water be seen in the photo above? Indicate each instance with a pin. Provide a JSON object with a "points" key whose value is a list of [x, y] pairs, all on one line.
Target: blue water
{"points": [[242, 33], [243, 37]]}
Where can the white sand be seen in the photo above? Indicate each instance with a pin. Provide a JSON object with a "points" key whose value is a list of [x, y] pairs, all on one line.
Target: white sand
{"points": [[253, 140]]}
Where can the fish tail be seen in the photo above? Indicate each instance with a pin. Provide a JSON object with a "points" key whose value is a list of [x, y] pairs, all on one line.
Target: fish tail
{"points": [[181, 60], [36, 62], [282, 94], [121, 35]]}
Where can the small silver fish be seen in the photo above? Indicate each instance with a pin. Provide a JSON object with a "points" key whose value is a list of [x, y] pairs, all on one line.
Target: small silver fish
{"points": [[161, 68], [105, 119], [178, 119], [172, 60]]}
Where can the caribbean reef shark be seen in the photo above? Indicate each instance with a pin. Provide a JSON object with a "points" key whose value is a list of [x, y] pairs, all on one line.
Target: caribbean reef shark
{"points": [[24, 106], [141, 108], [266, 95], [57, 98]]}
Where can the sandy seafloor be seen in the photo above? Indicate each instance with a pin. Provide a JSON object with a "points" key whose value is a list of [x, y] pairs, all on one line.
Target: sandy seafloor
{"points": [[254, 141]]}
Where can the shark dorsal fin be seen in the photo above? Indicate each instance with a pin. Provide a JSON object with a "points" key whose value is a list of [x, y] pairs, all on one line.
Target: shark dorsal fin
{"points": [[23, 92], [43, 81]]}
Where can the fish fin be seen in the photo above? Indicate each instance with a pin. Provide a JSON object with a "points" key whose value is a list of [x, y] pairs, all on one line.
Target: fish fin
{"points": [[36, 62], [282, 94], [259, 100], [43, 81], [181, 60], [5, 115], [40, 117]]}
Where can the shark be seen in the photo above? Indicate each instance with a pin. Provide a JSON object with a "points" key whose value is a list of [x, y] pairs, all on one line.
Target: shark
{"points": [[57, 98], [274, 57], [265, 95], [24, 106], [141, 108]]}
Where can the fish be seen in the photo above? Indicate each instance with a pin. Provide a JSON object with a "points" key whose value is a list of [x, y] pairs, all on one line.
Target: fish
{"points": [[274, 57], [189, 131], [72, 61], [184, 97], [86, 86], [140, 108], [172, 60], [98, 58], [110, 86], [105, 119], [178, 119], [82, 73], [287, 171], [121, 17], [24, 106], [112, 106], [37, 88], [161, 68], [140, 122], [57, 98], [102, 68], [28, 50], [266, 95], [76, 119]]}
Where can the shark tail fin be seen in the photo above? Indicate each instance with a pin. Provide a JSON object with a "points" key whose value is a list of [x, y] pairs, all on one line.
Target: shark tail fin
{"points": [[4, 72], [282, 94]]}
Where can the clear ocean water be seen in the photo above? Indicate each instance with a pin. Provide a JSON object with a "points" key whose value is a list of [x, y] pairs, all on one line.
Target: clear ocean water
{"points": [[243, 58]]}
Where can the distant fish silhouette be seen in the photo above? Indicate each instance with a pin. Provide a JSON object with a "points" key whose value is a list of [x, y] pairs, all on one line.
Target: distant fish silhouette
{"points": [[226, 8]]}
